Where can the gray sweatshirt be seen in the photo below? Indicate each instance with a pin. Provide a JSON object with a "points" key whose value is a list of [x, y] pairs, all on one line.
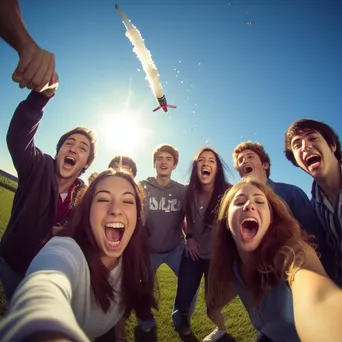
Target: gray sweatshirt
{"points": [[164, 213]]}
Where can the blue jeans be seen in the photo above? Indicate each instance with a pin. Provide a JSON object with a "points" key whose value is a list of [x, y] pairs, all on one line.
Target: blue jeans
{"points": [[9, 279], [173, 260], [189, 279]]}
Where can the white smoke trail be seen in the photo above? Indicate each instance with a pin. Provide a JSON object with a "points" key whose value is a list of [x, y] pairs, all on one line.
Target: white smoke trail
{"points": [[144, 55]]}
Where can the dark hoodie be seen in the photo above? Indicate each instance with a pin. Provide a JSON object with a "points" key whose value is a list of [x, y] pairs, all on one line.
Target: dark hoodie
{"points": [[35, 202], [164, 212]]}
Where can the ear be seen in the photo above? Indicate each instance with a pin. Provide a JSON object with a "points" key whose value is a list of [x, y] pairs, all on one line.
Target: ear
{"points": [[266, 165], [333, 148], [86, 166], [174, 166]]}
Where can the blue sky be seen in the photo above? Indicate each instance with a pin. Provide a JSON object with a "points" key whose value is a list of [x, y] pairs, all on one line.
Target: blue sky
{"points": [[231, 81]]}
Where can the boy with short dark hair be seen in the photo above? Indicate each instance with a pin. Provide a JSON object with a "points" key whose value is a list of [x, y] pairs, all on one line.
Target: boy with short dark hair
{"points": [[48, 188], [315, 148]]}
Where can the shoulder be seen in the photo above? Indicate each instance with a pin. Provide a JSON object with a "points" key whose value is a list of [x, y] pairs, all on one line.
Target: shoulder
{"points": [[144, 188], [143, 183], [179, 185], [310, 267], [62, 242], [181, 189], [46, 161], [61, 254], [289, 190], [44, 166]]}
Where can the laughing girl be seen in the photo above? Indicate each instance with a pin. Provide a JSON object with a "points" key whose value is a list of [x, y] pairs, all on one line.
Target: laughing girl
{"points": [[261, 253], [81, 284], [204, 192]]}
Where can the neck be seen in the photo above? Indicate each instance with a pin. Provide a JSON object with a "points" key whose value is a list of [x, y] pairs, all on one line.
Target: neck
{"points": [[64, 184], [110, 263], [163, 180], [331, 182], [261, 178], [207, 190], [246, 259], [246, 266]]}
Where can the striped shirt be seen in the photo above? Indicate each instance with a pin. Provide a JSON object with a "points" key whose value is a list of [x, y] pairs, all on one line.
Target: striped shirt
{"points": [[331, 220]]}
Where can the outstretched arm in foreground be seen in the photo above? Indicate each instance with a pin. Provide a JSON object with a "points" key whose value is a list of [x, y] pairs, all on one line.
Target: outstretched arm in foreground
{"points": [[317, 302], [40, 309]]}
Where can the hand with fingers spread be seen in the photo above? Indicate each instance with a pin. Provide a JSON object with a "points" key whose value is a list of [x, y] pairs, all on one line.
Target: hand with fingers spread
{"points": [[192, 249]]}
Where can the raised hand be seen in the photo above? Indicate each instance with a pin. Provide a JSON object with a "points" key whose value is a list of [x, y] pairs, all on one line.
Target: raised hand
{"points": [[36, 68]]}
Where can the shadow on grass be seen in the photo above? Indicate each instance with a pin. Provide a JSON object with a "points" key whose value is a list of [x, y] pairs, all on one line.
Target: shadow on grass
{"points": [[189, 338], [193, 338], [227, 338]]}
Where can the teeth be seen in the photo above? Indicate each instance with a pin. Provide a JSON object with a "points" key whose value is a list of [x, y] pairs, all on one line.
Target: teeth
{"points": [[252, 219], [114, 243], [205, 169], [115, 225]]}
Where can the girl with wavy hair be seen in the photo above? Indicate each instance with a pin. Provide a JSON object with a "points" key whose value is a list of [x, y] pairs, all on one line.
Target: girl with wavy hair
{"points": [[261, 253], [206, 187], [82, 283]]}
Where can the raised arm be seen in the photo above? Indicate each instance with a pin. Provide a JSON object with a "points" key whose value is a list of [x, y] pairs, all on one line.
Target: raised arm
{"points": [[22, 129], [317, 302], [36, 66], [41, 306]]}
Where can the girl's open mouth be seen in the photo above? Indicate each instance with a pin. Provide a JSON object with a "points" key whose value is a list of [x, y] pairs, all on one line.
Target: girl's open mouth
{"points": [[114, 233], [249, 228]]}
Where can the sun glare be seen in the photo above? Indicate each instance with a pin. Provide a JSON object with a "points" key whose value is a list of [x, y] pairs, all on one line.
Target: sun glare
{"points": [[123, 133]]}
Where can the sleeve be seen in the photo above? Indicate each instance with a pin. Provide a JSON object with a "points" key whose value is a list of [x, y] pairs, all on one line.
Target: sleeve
{"points": [[183, 199], [21, 132], [304, 212], [42, 302]]}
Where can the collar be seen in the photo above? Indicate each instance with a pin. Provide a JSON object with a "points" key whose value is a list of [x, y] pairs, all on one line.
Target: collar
{"points": [[270, 183], [317, 193]]}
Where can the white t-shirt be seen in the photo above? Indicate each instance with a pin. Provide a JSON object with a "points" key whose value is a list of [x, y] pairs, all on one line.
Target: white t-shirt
{"points": [[56, 295]]}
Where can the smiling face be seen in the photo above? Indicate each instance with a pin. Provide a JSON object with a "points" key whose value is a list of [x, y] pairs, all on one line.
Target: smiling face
{"points": [[73, 156], [249, 217], [206, 168], [164, 164], [249, 165], [312, 153], [113, 217]]}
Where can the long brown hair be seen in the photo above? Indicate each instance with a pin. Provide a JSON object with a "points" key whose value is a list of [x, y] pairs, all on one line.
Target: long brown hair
{"points": [[280, 252], [194, 188], [137, 276]]}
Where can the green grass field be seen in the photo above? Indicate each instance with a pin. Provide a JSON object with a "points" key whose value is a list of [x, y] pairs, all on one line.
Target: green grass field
{"points": [[237, 320]]}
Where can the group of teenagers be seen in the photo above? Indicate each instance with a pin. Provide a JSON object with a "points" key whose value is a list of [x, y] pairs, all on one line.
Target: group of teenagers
{"points": [[76, 260]]}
